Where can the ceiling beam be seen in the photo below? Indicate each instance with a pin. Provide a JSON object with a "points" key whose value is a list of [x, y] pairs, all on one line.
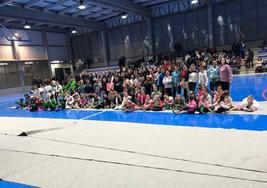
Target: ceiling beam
{"points": [[65, 10], [5, 2], [34, 27], [31, 3], [18, 13], [100, 18], [125, 5], [85, 10], [8, 20], [54, 5], [155, 2]]}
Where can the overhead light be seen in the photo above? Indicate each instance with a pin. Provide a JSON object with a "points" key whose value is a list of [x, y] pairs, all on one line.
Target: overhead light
{"points": [[73, 31], [27, 25], [16, 34], [28, 63], [82, 6], [193, 2], [124, 16]]}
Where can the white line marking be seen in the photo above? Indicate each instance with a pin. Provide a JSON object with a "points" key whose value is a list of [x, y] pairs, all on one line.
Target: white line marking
{"points": [[249, 74], [92, 115]]}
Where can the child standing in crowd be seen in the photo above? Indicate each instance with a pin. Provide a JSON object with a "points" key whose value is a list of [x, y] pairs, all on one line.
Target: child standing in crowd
{"points": [[184, 82], [193, 78], [167, 81], [213, 73], [226, 75], [203, 77], [176, 80]]}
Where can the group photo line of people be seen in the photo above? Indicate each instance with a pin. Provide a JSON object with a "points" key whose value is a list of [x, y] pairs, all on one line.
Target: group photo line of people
{"points": [[200, 83]]}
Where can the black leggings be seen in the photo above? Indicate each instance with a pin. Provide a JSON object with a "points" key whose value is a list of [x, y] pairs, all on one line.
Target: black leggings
{"points": [[192, 86], [213, 85], [221, 110], [169, 91], [225, 86]]}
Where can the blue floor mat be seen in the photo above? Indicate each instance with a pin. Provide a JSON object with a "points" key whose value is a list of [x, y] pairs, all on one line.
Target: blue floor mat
{"points": [[8, 184], [243, 86], [225, 121]]}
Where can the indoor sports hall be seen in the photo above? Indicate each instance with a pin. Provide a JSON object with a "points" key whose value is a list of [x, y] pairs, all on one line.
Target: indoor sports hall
{"points": [[133, 93]]}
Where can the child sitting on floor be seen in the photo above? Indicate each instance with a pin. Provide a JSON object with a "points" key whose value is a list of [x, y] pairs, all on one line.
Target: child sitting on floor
{"points": [[178, 105], [76, 104], [148, 103], [140, 96], [99, 103], [20, 103], [192, 104], [205, 102], [83, 102], [117, 100], [69, 101], [51, 103], [130, 106], [224, 104], [218, 94], [157, 104], [168, 102], [249, 104]]}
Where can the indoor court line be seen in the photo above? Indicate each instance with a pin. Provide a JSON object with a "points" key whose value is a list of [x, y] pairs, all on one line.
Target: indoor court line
{"points": [[249, 74], [144, 154], [92, 115], [136, 165]]}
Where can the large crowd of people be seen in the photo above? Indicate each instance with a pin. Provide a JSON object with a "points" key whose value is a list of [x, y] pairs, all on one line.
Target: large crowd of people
{"points": [[200, 83]]}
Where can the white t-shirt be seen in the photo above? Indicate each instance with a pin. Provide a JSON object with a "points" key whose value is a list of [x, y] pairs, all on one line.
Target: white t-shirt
{"points": [[193, 77], [203, 78]]}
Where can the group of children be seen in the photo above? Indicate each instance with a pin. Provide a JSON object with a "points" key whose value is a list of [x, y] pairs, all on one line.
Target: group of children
{"points": [[53, 97], [203, 102]]}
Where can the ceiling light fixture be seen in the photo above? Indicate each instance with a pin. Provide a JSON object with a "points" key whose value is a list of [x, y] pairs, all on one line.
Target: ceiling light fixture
{"points": [[193, 2], [82, 6], [27, 25], [73, 31], [124, 16]]}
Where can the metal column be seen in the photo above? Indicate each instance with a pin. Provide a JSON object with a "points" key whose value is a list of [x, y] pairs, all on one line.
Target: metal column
{"points": [[16, 56], [45, 44], [150, 34], [210, 25], [105, 47]]}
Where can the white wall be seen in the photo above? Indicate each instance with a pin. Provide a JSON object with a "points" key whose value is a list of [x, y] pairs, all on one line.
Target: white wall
{"points": [[6, 53], [57, 47], [41, 47]]}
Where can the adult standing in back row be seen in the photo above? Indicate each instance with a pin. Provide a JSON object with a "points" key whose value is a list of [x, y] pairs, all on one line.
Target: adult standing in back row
{"points": [[226, 75]]}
